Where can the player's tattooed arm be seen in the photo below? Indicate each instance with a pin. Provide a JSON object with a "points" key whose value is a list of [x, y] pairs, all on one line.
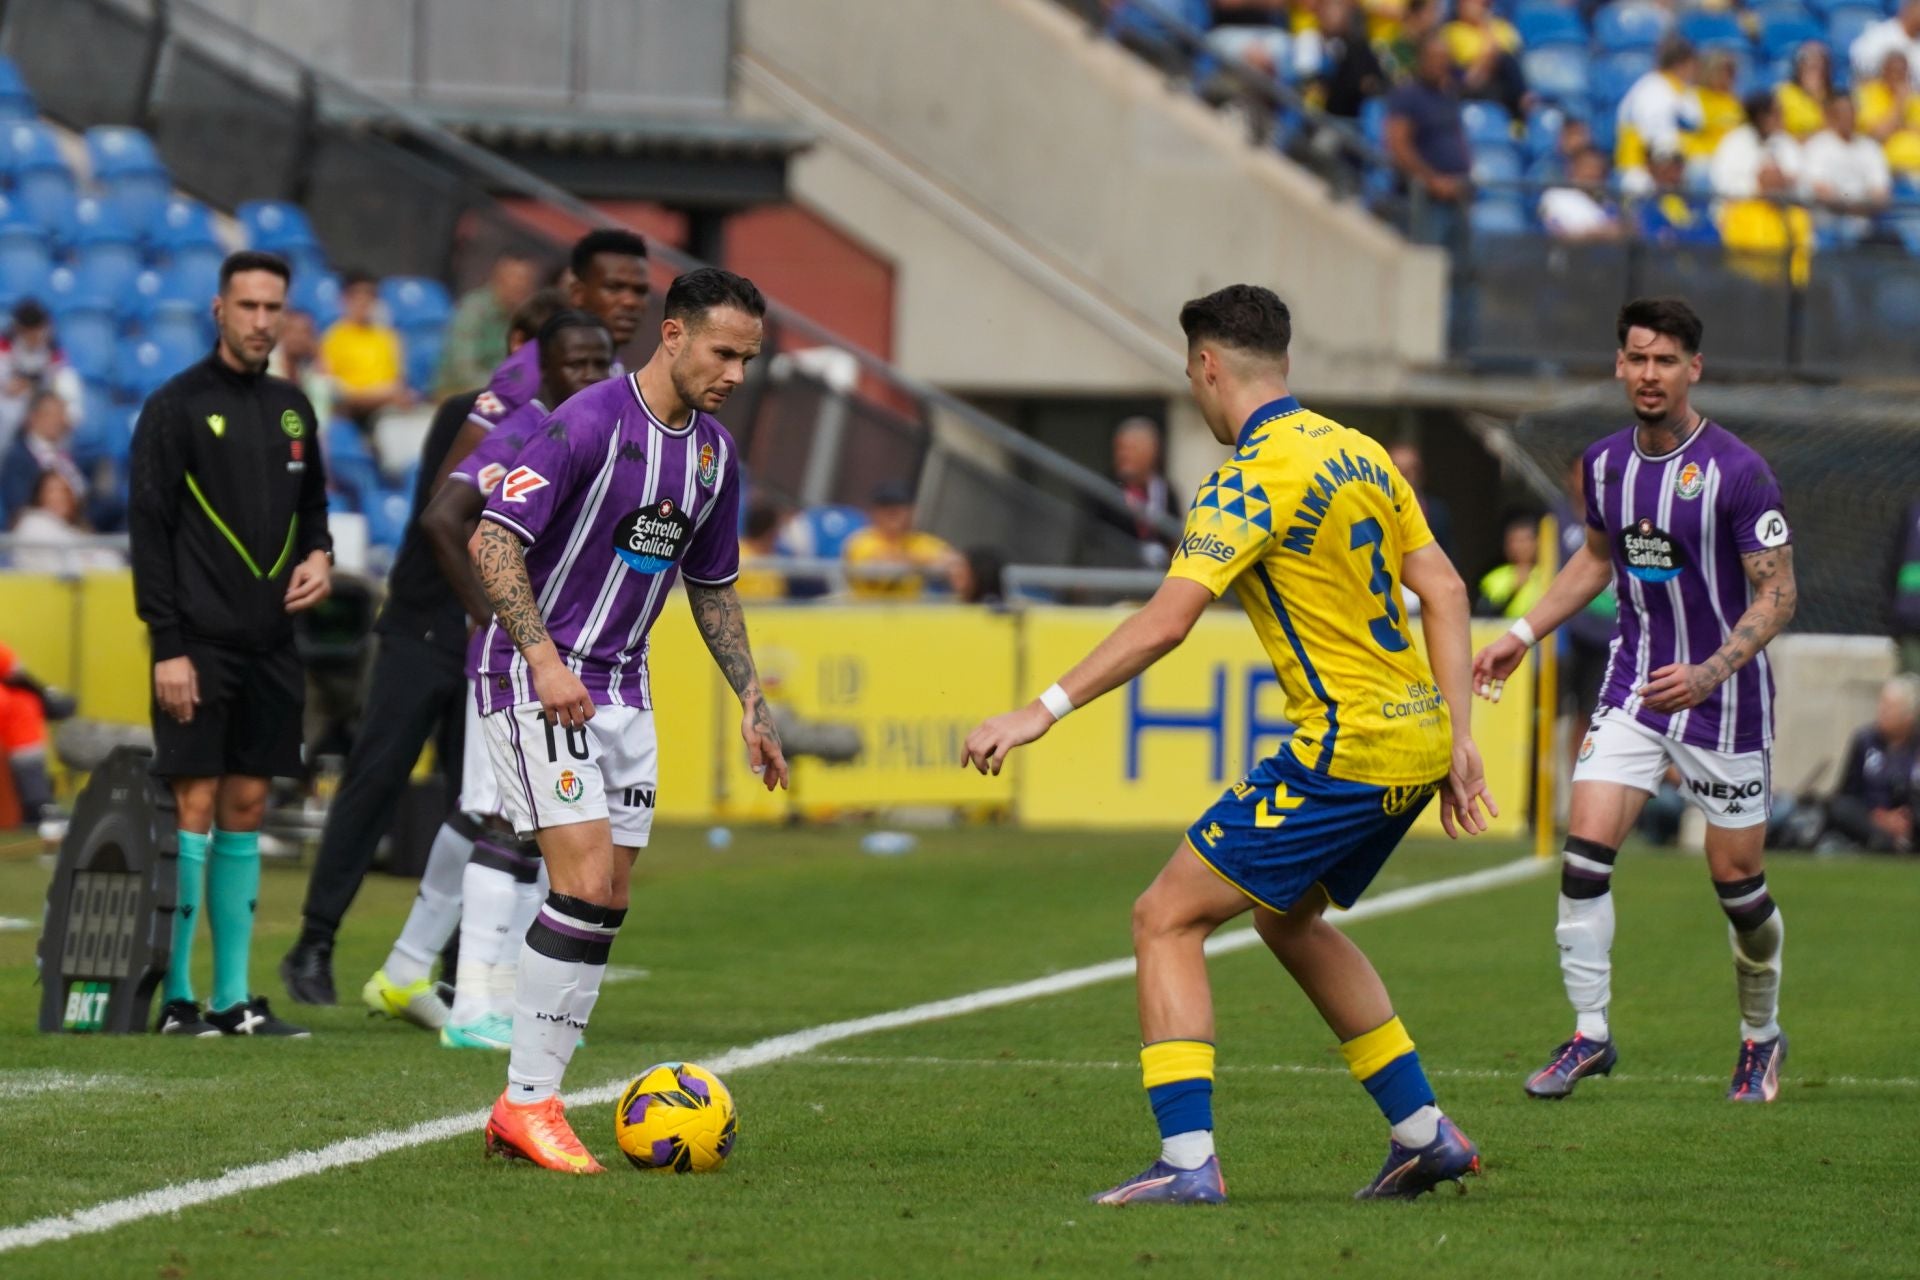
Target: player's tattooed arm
{"points": [[723, 625], [1775, 597], [502, 567]]}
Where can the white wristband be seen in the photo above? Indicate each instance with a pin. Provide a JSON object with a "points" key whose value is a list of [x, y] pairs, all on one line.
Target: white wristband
{"points": [[1056, 701], [1524, 633]]}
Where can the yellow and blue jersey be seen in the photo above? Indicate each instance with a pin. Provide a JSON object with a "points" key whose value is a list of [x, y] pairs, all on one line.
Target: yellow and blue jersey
{"points": [[1308, 522]]}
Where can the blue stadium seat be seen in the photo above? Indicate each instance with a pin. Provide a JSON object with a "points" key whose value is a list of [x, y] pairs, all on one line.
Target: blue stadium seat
{"points": [[1543, 131], [1614, 74], [413, 301], [89, 338], [140, 197], [1846, 22], [422, 345], [16, 100], [1629, 24], [318, 294], [106, 269], [98, 222], [351, 468], [1503, 216], [189, 281], [1155, 18], [27, 143], [178, 325], [1496, 163], [1713, 30], [26, 260], [1373, 120], [139, 367], [387, 517], [182, 221], [273, 222], [822, 531], [1486, 122], [113, 150], [44, 194], [1540, 28], [1780, 35], [1559, 73]]}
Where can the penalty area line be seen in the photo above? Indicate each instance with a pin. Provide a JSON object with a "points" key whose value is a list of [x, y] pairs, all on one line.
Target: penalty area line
{"points": [[172, 1199]]}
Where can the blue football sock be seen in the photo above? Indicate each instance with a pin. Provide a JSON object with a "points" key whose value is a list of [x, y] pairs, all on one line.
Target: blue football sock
{"points": [[233, 887], [186, 915]]}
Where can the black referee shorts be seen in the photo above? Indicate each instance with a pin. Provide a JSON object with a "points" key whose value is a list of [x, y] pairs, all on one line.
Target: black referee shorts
{"points": [[249, 718]]}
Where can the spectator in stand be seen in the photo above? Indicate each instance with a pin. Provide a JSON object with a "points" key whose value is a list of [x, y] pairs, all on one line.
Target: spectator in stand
{"points": [[1720, 109], [1874, 807], [1803, 99], [30, 362], [1412, 467], [1578, 211], [1899, 33], [1515, 586], [1738, 162], [760, 578], [890, 542], [1669, 216], [1348, 70], [363, 353], [1486, 52], [1887, 109], [1427, 143], [477, 336], [297, 359], [1846, 173], [42, 444], [1573, 137], [977, 577], [1138, 472], [52, 537], [1399, 47], [1255, 32], [1660, 110]]}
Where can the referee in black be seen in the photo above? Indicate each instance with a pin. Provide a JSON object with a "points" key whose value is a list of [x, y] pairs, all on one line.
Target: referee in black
{"points": [[419, 682], [229, 536]]}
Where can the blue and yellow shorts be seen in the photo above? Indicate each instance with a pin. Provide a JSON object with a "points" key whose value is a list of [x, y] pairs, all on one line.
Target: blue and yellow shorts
{"points": [[1287, 828]]}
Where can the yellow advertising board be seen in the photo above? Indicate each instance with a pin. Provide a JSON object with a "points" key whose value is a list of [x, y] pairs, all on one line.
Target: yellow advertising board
{"points": [[1161, 750]]}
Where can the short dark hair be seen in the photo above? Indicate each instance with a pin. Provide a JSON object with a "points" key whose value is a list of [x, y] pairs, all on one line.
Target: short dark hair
{"points": [[29, 314], [536, 311], [1669, 316], [355, 278], [1758, 104], [699, 291], [568, 318], [627, 244], [1243, 316], [253, 260], [1673, 50]]}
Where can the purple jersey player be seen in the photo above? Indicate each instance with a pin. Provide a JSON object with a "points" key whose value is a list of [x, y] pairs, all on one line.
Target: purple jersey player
{"points": [[627, 486], [609, 279], [1687, 524]]}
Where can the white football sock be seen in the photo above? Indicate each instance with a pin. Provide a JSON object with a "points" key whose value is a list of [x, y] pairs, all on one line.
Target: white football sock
{"points": [[488, 897], [436, 909], [1187, 1150], [594, 971], [1585, 935], [551, 964], [526, 905], [1419, 1129], [1757, 958]]}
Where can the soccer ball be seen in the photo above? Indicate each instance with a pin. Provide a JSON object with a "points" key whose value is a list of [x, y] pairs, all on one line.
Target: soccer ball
{"points": [[676, 1118]]}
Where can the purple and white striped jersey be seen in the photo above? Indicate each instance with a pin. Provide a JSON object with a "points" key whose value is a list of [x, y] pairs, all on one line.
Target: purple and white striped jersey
{"points": [[515, 381], [1678, 525], [613, 505], [487, 463]]}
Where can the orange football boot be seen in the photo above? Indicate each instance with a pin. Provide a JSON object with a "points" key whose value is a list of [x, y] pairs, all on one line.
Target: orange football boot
{"points": [[538, 1131]]}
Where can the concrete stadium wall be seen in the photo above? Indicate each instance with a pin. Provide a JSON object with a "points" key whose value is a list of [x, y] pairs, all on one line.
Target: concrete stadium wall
{"points": [[1050, 201]]}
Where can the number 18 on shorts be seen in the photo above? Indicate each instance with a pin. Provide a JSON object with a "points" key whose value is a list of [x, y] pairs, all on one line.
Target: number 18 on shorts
{"points": [[551, 776]]}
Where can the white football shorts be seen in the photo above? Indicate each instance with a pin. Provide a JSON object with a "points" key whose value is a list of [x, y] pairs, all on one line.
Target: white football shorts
{"points": [[1732, 788], [479, 791], [549, 776]]}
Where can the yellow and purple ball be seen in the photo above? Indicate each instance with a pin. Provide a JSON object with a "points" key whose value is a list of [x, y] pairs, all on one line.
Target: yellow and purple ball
{"points": [[676, 1118]]}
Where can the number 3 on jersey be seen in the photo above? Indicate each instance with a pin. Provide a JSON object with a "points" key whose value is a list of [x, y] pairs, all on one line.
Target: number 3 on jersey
{"points": [[1385, 628]]}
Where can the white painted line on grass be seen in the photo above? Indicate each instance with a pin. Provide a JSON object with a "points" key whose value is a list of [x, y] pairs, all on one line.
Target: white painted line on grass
{"points": [[350, 1151], [31, 1084], [624, 973], [1312, 1069], [14, 924]]}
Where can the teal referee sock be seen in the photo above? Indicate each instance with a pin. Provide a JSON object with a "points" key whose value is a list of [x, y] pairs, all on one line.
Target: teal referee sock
{"points": [[233, 887], [186, 915]]}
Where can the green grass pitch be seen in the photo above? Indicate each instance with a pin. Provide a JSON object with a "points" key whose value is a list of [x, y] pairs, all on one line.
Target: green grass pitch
{"points": [[966, 1147]]}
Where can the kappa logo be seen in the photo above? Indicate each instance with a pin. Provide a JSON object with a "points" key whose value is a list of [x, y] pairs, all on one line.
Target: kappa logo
{"points": [[568, 787], [709, 466], [630, 452], [520, 482], [490, 477], [1691, 481], [489, 405], [217, 423]]}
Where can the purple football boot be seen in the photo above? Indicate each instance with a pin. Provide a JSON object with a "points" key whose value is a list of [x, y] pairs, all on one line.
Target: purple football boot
{"points": [[1572, 1062], [1164, 1184], [1757, 1077], [1410, 1173]]}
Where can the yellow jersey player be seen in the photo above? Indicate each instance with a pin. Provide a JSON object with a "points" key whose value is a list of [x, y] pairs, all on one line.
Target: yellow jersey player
{"points": [[1315, 531]]}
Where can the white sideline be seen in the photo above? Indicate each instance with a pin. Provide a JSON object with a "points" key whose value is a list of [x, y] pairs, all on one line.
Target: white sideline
{"points": [[173, 1198]]}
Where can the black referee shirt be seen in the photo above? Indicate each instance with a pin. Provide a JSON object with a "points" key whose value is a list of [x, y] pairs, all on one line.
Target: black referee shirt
{"points": [[229, 494], [420, 602]]}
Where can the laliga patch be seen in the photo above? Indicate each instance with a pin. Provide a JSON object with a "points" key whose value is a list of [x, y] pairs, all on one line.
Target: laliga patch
{"points": [[490, 477], [652, 539], [1690, 482], [1770, 530], [520, 482], [488, 405], [1652, 554]]}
